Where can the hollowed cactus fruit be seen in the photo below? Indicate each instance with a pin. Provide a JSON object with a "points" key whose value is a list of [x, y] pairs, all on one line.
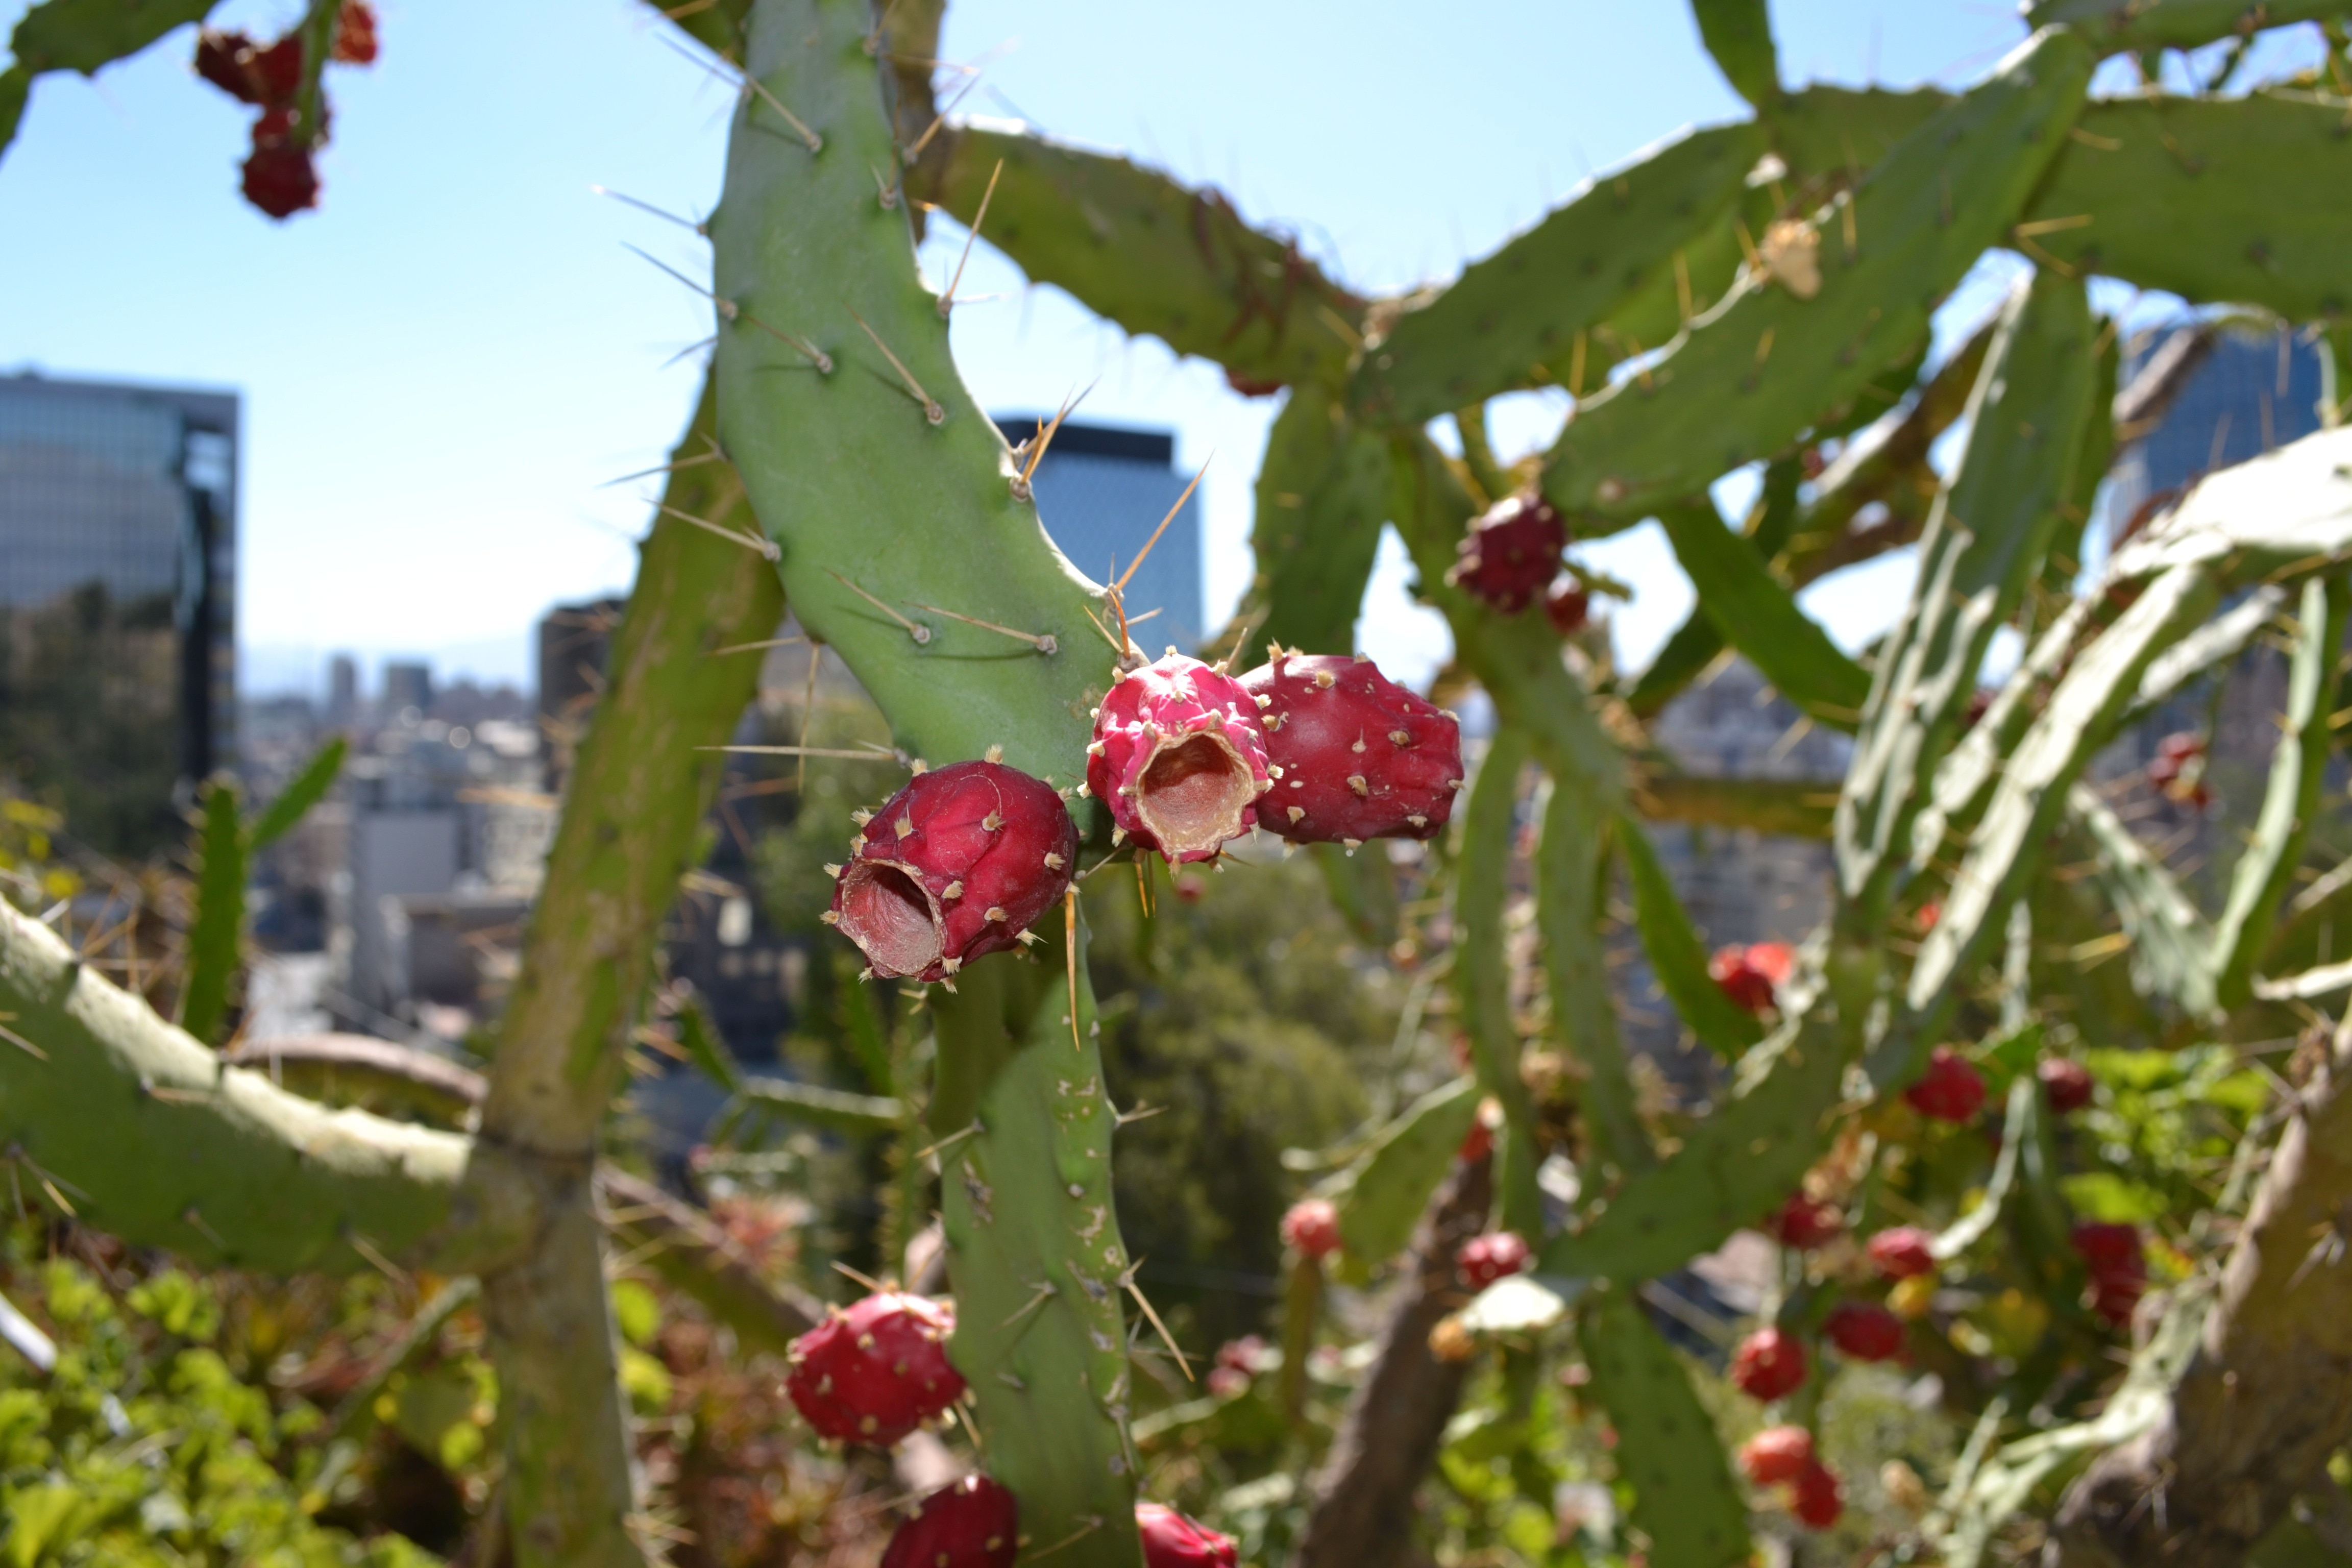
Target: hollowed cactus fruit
{"points": [[1179, 755]]}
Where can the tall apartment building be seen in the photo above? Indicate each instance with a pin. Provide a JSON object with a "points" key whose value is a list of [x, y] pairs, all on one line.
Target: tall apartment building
{"points": [[117, 603]]}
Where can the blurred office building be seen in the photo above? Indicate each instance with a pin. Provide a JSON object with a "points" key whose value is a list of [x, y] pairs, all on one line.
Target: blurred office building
{"points": [[117, 603], [1101, 492]]}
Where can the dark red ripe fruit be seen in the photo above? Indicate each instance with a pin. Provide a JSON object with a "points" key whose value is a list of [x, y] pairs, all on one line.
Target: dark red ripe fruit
{"points": [[1903, 1252], [1312, 1227], [1776, 1454], [1770, 1364], [1356, 756], [1805, 1225], [877, 1372], [1251, 386], [1817, 1500], [2118, 1269], [1511, 554], [1172, 1541], [355, 43], [222, 59], [279, 180], [1568, 606], [1864, 1330], [1179, 756], [957, 865], [277, 70], [2066, 1085], [1483, 1260], [974, 1523], [1751, 975], [1950, 1090]]}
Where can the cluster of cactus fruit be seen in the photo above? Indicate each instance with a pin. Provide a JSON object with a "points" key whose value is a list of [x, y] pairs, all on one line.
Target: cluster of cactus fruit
{"points": [[279, 176], [1783, 272]]}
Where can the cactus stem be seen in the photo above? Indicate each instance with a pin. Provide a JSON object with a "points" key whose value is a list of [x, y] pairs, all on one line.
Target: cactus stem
{"points": [[930, 405], [947, 301], [920, 632], [764, 547]]}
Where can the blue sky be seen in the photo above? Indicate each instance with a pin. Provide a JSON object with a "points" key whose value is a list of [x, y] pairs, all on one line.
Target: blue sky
{"points": [[444, 364]]}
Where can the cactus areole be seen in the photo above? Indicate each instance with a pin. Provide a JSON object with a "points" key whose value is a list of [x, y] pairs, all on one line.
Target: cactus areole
{"points": [[1172, 1541], [956, 864], [1179, 756], [1357, 755], [875, 1372], [974, 1524]]}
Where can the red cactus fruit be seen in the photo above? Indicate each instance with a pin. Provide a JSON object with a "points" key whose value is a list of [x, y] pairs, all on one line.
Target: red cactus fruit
{"points": [[1227, 1382], [2065, 1084], [1480, 1141], [1776, 1454], [875, 1372], [1179, 755], [1902, 1252], [1748, 989], [1864, 1330], [1172, 1541], [1483, 1260], [1244, 1355], [1312, 1227], [222, 59], [276, 72], [1355, 756], [974, 1523], [1511, 554], [1950, 1090], [1775, 960], [355, 41], [1805, 1225], [279, 178], [2119, 1268], [956, 864], [1568, 606], [1252, 386], [1770, 1364], [1817, 1499]]}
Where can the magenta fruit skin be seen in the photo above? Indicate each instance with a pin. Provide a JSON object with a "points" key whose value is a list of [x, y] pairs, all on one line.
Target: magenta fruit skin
{"points": [[955, 866], [1511, 554], [1483, 1260], [875, 1372], [1172, 1541], [974, 1524], [1361, 757], [1179, 756]]}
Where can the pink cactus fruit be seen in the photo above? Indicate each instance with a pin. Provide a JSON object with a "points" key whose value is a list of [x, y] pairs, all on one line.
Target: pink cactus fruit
{"points": [[1864, 1330], [1776, 1454], [1805, 1223], [1172, 1541], [1511, 553], [1312, 1227], [1817, 1499], [1483, 1260], [1769, 1364], [2113, 1257], [974, 1524], [2067, 1084], [875, 1372], [1356, 755], [956, 864], [1179, 755], [1902, 1252], [1951, 1089]]}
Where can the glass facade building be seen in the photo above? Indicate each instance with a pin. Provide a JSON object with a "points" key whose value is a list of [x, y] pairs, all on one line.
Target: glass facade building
{"points": [[118, 605], [1101, 491]]}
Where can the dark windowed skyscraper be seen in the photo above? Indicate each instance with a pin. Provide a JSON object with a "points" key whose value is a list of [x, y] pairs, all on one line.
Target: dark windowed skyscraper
{"points": [[117, 615]]}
